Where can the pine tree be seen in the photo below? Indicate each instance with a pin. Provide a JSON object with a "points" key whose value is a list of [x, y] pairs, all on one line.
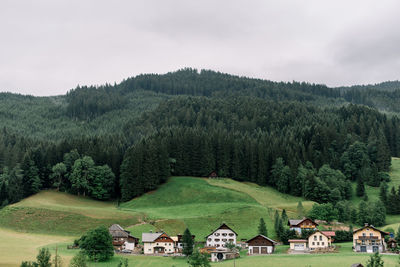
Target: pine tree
{"points": [[300, 210], [375, 260], [187, 242], [44, 258], [383, 193], [284, 216], [360, 189], [262, 228]]}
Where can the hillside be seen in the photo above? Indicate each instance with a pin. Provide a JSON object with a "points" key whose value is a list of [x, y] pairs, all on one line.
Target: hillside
{"points": [[198, 203]]}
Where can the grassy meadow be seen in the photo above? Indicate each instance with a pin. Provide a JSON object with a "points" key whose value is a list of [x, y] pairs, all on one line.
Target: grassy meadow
{"points": [[54, 219]]}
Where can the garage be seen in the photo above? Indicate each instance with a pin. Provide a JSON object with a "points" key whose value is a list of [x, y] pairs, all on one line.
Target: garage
{"points": [[298, 246], [261, 245]]}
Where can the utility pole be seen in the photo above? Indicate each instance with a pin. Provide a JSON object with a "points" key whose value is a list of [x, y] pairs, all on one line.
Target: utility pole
{"points": [[56, 258]]}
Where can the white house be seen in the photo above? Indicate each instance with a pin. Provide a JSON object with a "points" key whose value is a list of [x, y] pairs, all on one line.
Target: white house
{"points": [[157, 243], [222, 235]]}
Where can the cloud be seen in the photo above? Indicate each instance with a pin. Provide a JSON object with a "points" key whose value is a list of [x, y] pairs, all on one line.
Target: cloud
{"points": [[48, 47]]}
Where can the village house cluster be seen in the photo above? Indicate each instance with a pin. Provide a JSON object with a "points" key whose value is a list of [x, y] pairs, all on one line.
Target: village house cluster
{"points": [[366, 239]]}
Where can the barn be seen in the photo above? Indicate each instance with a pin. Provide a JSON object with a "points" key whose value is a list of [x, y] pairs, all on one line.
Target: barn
{"points": [[261, 244]]}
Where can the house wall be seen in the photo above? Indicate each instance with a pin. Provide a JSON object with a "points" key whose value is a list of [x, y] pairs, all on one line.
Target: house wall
{"points": [[217, 239], [369, 248], [148, 248], [292, 245], [261, 249], [318, 240]]}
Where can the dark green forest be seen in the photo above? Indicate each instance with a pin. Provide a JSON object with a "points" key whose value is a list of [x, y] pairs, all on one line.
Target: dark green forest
{"points": [[120, 141]]}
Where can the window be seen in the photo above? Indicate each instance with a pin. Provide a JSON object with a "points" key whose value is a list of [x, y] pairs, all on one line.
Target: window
{"points": [[364, 234], [323, 243], [315, 238], [224, 234], [313, 243], [320, 238], [157, 244], [230, 234], [217, 240], [216, 234], [231, 240], [224, 239], [217, 245], [317, 243], [209, 239], [371, 234]]}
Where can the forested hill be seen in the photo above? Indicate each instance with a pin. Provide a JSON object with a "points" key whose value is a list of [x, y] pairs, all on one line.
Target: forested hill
{"points": [[119, 141]]}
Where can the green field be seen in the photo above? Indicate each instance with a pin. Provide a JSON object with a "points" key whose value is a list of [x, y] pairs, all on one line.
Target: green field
{"points": [[53, 219]]}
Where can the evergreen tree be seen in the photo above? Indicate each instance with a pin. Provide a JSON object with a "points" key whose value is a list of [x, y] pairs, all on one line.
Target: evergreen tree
{"points": [[262, 228], [44, 258], [360, 189], [187, 242], [383, 193], [300, 210], [284, 216], [375, 260]]}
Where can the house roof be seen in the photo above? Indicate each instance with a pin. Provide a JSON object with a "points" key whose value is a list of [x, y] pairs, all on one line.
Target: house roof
{"points": [[318, 231], [150, 237], [329, 233], [117, 231], [370, 226], [297, 241], [222, 226], [297, 222], [263, 236]]}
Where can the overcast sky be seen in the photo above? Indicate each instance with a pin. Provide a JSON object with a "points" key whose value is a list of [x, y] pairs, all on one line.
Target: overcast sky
{"points": [[49, 46]]}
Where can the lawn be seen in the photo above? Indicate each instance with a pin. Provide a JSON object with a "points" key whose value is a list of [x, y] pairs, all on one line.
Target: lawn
{"points": [[50, 212], [53, 219]]}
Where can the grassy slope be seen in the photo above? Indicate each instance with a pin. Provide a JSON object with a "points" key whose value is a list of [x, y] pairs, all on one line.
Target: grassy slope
{"points": [[200, 204], [58, 213], [194, 203]]}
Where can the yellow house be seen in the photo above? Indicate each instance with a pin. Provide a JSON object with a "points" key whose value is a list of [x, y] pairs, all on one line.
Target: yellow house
{"points": [[319, 240], [369, 239]]}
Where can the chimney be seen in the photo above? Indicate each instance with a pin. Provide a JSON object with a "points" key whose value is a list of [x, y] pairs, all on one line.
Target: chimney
{"points": [[365, 224]]}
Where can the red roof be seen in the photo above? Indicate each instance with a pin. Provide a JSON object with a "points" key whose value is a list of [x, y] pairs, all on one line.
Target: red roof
{"points": [[329, 233]]}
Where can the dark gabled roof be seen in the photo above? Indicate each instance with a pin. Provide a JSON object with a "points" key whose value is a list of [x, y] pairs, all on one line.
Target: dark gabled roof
{"points": [[263, 236], [223, 226], [297, 222], [117, 231], [370, 226]]}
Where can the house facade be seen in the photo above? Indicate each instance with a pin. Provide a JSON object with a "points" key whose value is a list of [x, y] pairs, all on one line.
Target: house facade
{"points": [[122, 239], [178, 242], [303, 224], [369, 239], [157, 243], [298, 244], [222, 235], [319, 240], [261, 244]]}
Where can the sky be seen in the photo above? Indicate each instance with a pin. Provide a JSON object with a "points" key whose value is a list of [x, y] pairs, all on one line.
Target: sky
{"points": [[48, 47]]}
